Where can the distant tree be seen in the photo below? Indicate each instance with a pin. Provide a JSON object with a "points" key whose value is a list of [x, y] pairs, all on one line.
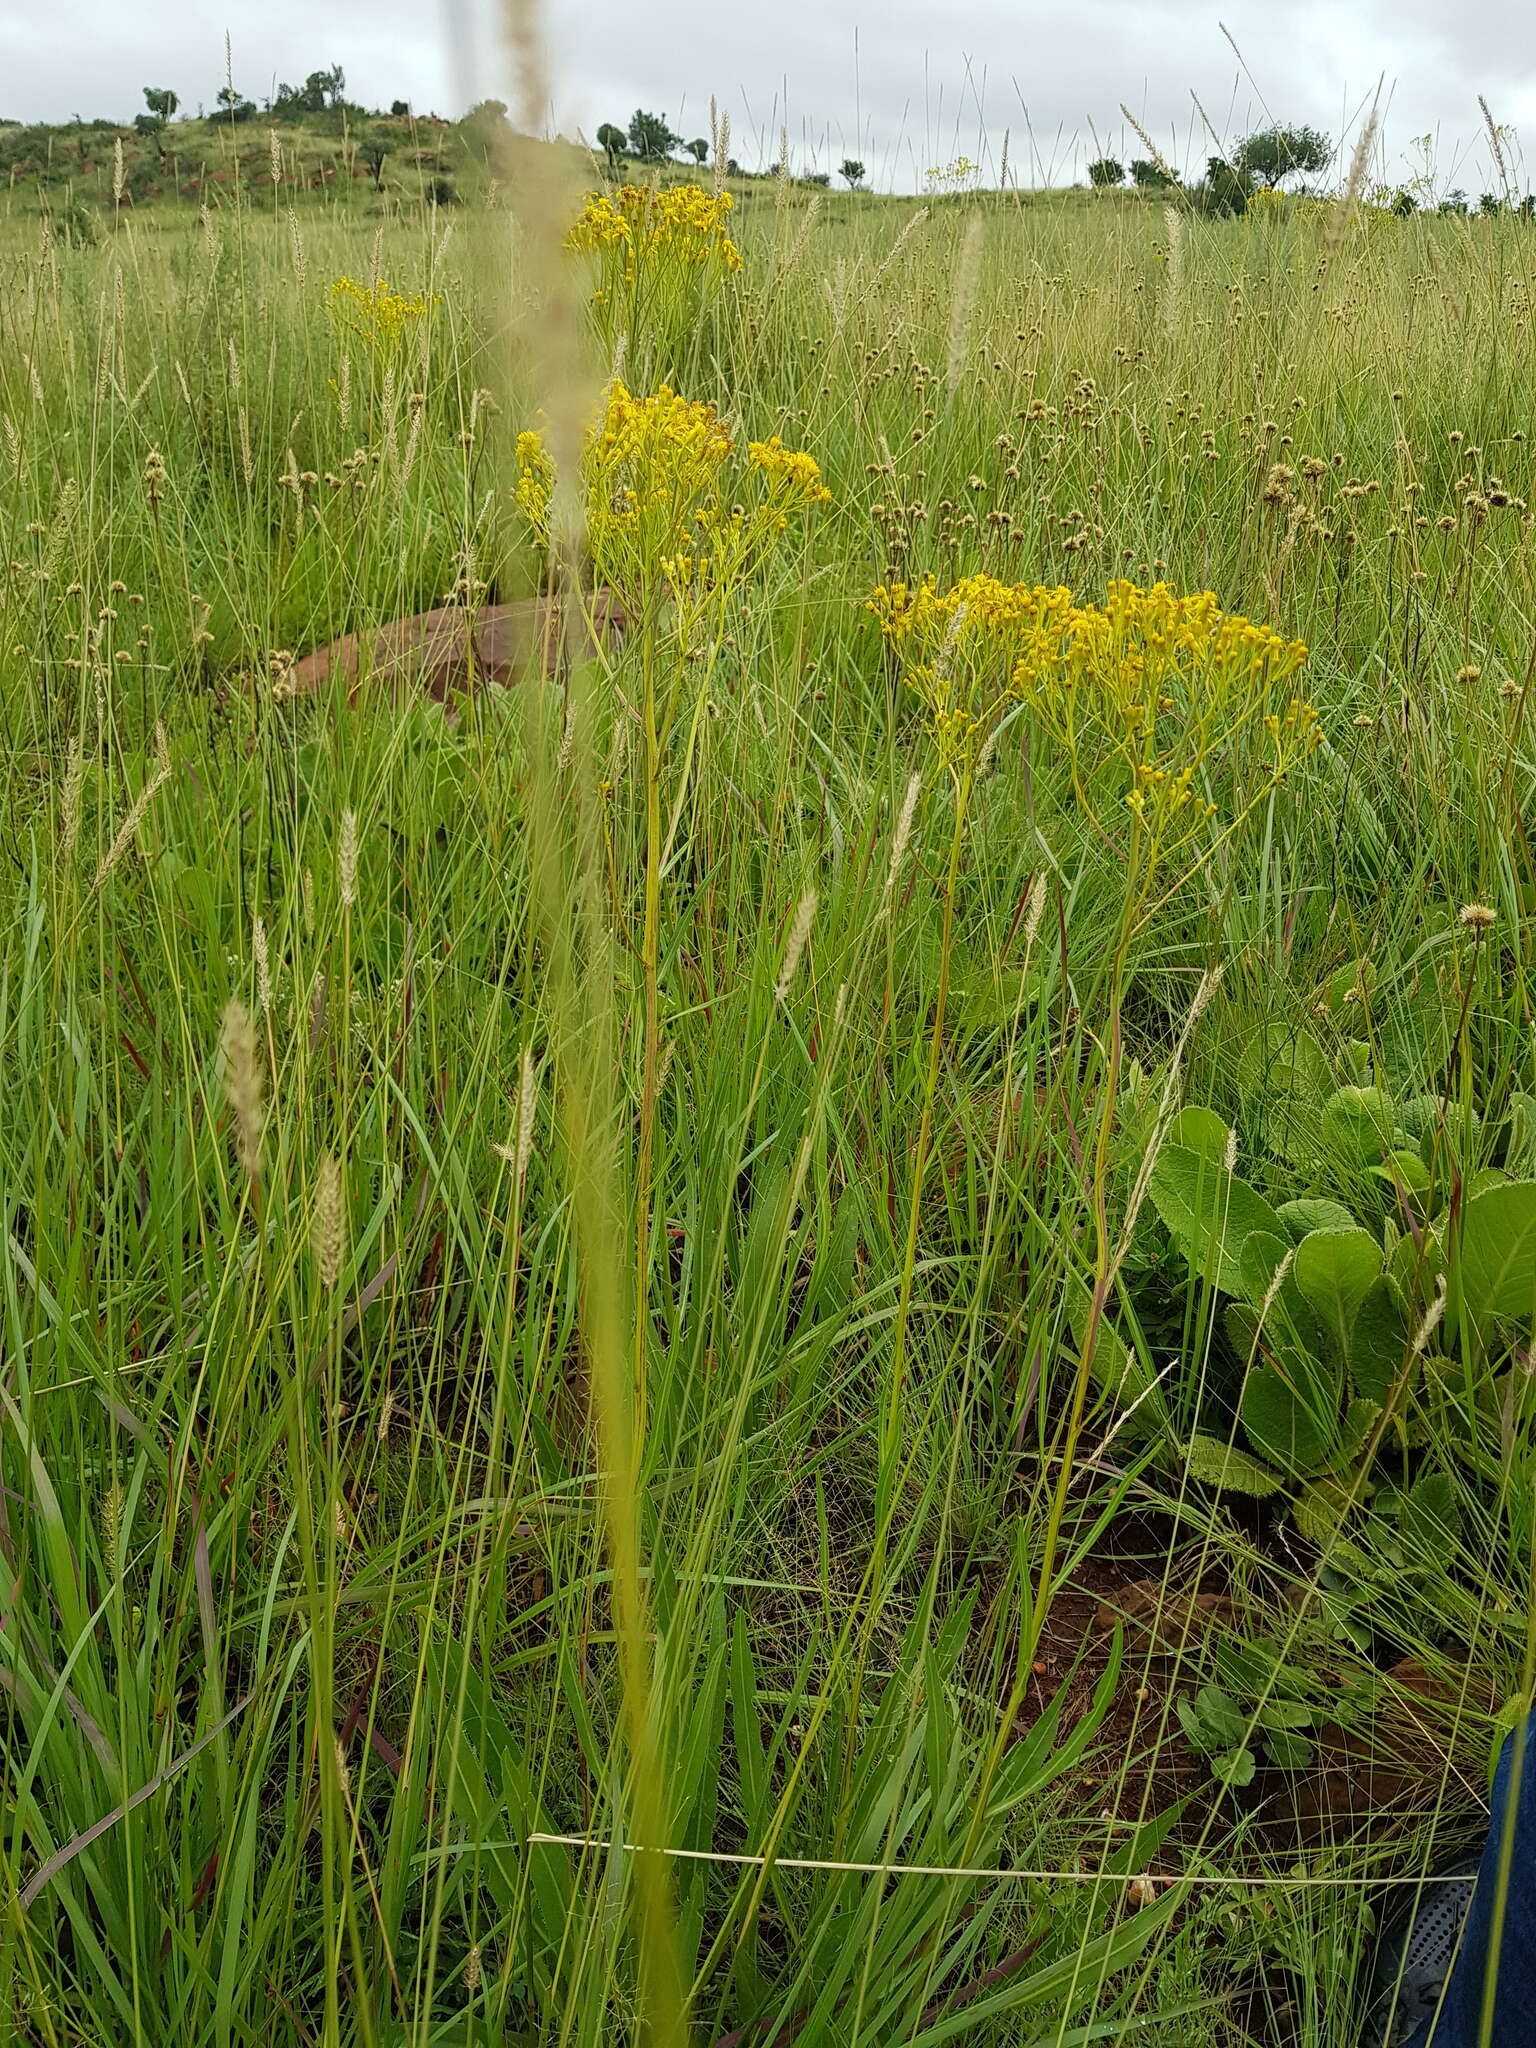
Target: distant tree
{"points": [[821, 178], [1150, 176], [328, 86], [698, 149], [374, 154], [1226, 188], [322, 89], [852, 171], [1270, 155], [481, 126], [1105, 170], [1404, 205], [1527, 207], [161, 102], [234, 105], [612, 141], [650, 138], [400, 109], [1489, 204], [1454, 202]]}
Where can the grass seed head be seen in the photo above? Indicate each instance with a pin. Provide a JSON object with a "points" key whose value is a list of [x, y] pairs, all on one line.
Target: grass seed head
{"points": [[800, 932], [242, 1083], [346, 864], [263, 964], [328, 1231]]}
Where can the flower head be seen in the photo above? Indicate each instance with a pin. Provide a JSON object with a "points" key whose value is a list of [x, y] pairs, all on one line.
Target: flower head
{"points": [[655, 472], [374, 313], [1160, 683], [640, 226]]}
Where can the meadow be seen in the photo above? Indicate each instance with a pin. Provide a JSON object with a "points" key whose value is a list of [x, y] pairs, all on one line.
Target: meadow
{"points": [[823, 1334]]}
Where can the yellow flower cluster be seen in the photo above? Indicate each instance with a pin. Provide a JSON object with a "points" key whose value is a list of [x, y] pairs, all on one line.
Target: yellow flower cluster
{"points": [[797, 473], [374, 312], [535, 483], [1168, 687], [684, 224], [961, 171], [655, 471], [651, 468]]}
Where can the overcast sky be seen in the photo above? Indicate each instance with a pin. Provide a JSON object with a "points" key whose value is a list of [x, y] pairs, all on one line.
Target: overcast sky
{"points": [[901, 84]]}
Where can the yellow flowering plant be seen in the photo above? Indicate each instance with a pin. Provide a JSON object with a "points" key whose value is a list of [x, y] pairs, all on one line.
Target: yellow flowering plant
{"points": [[658, 256], [376, 314], [676, 519], [1152, 687], [958, 175], [637, 225], [1167, 698], [672, 514]]}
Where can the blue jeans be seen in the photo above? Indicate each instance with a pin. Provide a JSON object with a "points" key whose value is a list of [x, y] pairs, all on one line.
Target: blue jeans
{"points": [[1511, 1963]]}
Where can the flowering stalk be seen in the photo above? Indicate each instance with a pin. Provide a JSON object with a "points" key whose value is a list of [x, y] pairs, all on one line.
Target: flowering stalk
{"points": [[676, 523], [1149, 693], [658, 255]]}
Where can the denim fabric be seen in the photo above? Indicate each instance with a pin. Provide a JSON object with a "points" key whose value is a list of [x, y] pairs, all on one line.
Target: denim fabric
{"points": [[1459, 2021]]}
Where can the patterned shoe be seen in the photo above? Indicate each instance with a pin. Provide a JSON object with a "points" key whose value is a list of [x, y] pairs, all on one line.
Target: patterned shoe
{"points": [[1414, 1957]]}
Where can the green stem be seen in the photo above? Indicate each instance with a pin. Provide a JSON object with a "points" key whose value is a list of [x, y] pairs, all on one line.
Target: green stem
{"points": [[891, 1429], [650, 967], [890, 1433], [1103, 1263]]}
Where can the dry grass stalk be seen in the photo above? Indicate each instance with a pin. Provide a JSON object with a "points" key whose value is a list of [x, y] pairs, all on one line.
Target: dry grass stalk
{"points": [[1496, 147], [900, 837], [1173, 287], [520, 1151], [799, 934], [565, 847], [901, 241], [242, 1083], [69, 803], [328, 1228], [1033, 912], [135, 817], [1152, 149], [962, 303], [346, 863], [1354, 184], [263, 964], [808, 221]]}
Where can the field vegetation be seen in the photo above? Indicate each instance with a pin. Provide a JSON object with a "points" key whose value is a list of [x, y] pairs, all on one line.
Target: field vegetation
{"points": [[824, 1334]]}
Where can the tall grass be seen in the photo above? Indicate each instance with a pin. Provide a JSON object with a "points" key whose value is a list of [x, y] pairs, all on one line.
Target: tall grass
{"points": [[332, 1623]]}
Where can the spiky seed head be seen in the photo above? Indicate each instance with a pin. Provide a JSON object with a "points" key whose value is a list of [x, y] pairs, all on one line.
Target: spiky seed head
{"points": [[903, 831], [799, 933], [1034, 911], [242, 1083], [328, 1231], [263, 963], [347, 861]]}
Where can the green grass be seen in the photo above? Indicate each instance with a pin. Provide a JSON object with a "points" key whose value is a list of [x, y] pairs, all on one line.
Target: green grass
{"points": [[330, 1571]]}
